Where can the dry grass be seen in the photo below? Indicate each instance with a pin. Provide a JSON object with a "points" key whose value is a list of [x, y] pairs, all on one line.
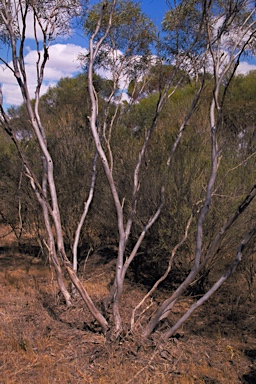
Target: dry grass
{"points": [[41, 342]]}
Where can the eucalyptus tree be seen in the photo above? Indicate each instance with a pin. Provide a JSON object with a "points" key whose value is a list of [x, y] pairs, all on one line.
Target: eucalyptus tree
{"points": [[229, 30], [201, 36], [46, 20], [124, 51]]}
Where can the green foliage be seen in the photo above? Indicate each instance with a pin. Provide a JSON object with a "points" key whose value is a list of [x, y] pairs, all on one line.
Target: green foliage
{"points": [[20, 122], [126, 50], [126, 38], [141, 115], [158, 78], [184, 28], [65, 111], [240, 104], [103, 86], [17, 206], [73, 95]]}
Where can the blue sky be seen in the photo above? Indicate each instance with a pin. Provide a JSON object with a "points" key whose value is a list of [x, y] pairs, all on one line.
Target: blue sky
{"points": [[63, 57], [155, 9]]}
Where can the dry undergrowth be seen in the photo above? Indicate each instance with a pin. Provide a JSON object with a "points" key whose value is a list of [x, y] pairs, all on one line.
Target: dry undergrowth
{"points": [[42, 342]]}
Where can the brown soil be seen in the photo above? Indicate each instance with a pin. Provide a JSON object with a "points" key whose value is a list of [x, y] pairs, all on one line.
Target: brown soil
{"points": [[43, 342]]}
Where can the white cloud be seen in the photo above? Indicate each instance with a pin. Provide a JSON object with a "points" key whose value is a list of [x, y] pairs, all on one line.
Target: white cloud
{"points": [[30, 32], [245, 67], [63, 62], [64, 57], [47, 22]]}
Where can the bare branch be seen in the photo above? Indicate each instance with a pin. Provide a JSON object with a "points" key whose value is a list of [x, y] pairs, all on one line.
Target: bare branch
{"points": [[216, 286], [163, 277]]}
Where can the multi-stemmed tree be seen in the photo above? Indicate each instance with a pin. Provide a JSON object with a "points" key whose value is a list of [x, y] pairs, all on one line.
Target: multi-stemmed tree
{"points": [[204, 39]]}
